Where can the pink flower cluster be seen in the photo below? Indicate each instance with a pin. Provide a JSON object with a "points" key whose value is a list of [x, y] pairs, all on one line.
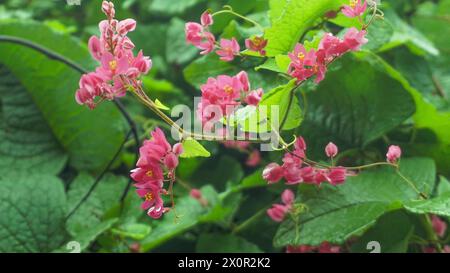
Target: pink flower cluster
{"points": [[119, 69], [305, 64], [355, 9], [324, 247], [157, 159], [201, 37], [279, 211], [295, 170], [221, 95]]}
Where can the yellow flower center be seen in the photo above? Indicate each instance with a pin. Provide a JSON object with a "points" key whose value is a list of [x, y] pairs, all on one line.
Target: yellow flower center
{"points": [[113, 65], [301, 56], [353, 3], [228, 89], [149, 173], [148, 196]]}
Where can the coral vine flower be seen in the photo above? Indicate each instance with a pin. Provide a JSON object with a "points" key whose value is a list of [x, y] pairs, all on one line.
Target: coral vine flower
{"points": [[118, 69], [228, 49], [257, 44], [278, 211], [295, 171], [393, 154], [156, 157], [324, 247], [305, 64], [439, 226], [331, 149], [199, 36], [221, 95], [206, 19], [355, 8]]}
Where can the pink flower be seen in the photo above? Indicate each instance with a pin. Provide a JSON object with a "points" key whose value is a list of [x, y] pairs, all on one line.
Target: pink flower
{"points": [[95, 48], [337, 176], [355, 9], [156, 157], [326, 247], [125, 26], [393, 154], [301, 57], [331, 150], [254, 159], [288, 197], [108, 9], [439, 225], [208, 45], [118, 68], [193, 33], [206, 19], [196, 194], [243, 79], [228, 49], [300, 249], [256, 44], [354, 39], [273, 173], [151, 195], [222, 95], [254, 97], [278, 211], [142, 63]]}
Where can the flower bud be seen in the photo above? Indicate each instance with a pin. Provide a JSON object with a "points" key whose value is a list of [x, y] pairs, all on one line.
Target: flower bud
{"points": [[206, 19], [273, 173], [393, 154], [331, 150], [178, 149], [126, 26], [287, 197]]}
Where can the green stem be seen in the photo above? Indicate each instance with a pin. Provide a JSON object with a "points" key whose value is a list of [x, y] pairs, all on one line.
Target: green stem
{"points": [[249, 221]]}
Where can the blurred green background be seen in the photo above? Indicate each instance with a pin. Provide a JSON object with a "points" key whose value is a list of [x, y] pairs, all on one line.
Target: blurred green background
{"points": [[51, 149]]}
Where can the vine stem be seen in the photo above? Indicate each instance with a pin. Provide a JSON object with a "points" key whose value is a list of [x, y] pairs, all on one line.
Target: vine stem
{"points": [[59, 58], [97, 181], [249, 221]]}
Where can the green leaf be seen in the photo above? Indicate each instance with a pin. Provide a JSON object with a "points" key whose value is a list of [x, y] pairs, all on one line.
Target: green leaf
{"points": [[198, 71], [91, 213], [160, 105], [444, 186], [356, 104], [427, 118], [392, 231], [134, 231], [439, 205], [27, 142], [336, 213], [224, 243], [290, 19], [192, 148], [52, 86], [32, 209], [288, 107], [188, 211], [88, 236], [172, 7], [177, 50], [406, 35]]}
